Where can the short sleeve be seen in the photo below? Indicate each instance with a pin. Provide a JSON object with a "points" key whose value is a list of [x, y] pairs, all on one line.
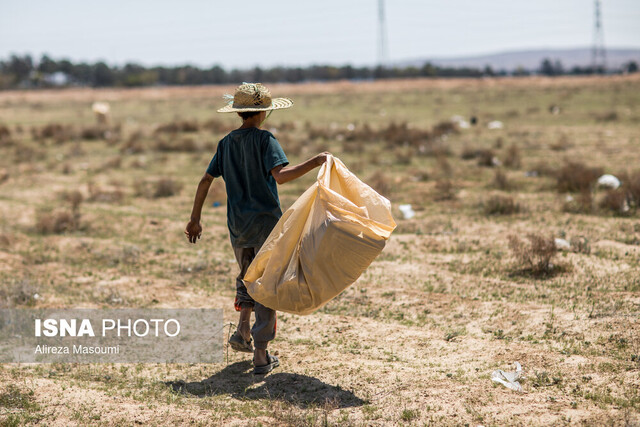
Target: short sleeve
{"points": [[215, 167], [274, 155]]}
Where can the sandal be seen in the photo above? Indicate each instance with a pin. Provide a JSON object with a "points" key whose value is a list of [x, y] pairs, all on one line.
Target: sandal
{"points": [[265, 369], [239, 344]]}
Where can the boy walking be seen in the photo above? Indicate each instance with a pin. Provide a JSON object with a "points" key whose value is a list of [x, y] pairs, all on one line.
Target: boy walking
{"points": [[251, 162]]}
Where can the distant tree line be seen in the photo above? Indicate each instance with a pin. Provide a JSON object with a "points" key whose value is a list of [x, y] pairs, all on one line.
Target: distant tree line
{"points": [[23, 72]]}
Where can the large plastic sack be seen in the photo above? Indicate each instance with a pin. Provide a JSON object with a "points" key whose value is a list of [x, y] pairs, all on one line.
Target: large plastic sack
{"points": [[322, 243]]}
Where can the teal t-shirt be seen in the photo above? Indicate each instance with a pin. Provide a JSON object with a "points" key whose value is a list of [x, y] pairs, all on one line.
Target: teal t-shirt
{"points": [[244, 159]]}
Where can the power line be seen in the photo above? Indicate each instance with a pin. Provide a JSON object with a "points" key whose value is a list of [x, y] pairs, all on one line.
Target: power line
{"points": [[382, 35], [598, 52]]}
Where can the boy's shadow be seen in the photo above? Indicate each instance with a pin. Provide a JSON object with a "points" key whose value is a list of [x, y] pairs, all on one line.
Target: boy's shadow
{"points": [[238, 381]]}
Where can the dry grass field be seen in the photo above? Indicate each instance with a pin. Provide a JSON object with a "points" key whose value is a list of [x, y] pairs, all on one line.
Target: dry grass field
{"points": [[92, 215]]}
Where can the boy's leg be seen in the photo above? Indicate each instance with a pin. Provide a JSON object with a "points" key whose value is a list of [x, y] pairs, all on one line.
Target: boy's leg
{"points": [[264, 328], [243, 302], [263, 331], [244, 323]]}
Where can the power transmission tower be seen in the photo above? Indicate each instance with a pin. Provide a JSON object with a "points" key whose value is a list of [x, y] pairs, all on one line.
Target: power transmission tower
{"points": [[382, 35], [598, 52]]}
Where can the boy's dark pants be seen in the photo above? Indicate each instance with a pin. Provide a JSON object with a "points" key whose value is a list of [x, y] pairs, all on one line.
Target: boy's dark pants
{"points": [[264, 328]]}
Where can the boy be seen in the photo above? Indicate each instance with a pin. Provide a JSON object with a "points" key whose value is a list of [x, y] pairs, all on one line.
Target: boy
{"points": [[251, 162]]}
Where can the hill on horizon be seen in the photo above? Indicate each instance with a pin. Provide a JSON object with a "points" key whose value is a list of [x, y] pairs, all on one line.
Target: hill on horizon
{"points": [[530, 59]]}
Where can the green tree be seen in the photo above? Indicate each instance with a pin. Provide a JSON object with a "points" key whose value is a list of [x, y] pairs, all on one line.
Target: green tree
{"points": [[631, 67], [103, 75], [47, 65]]}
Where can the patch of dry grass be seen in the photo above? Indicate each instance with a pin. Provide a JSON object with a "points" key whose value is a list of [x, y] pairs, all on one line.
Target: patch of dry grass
{"points": [[415, 339]]}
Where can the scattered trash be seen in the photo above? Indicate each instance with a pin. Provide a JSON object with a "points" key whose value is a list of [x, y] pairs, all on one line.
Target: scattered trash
{"points": [[608, 181], [101, 111], [351, 127], [496, 124], [406, 211], [569, 198], [562, 244], [460, 121], [508, 379], [216, 204]]}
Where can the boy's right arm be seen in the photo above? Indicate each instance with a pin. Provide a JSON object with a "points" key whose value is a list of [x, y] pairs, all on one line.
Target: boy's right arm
{"points": [[289, 173], [194, 229]]}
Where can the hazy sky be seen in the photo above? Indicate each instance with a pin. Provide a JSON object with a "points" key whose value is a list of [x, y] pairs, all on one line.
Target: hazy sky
{"points": [[299, 32]]}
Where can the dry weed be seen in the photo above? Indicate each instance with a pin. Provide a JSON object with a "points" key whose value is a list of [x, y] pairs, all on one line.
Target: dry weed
{"points": [[615, 201], [631, 185], [582, 203], [215, 126], [535, 255], [55, 131], [500, 181], [576, 177], [580, 244], [5, 136], [164, 187], [487, 158], [500, 205], [111, 164], [188, 145], [99, 194], [444, 190], [380, 182], [178, 126], [4, 175], [56, 221], [19, 293], [512, 158]]}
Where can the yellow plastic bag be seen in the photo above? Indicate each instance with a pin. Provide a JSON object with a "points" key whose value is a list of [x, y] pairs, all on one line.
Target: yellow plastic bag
{"points": [[322, 243]]}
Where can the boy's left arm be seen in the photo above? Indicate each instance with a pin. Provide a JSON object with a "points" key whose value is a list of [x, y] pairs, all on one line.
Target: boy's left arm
{"points": [[194, 229], [289, 173]]}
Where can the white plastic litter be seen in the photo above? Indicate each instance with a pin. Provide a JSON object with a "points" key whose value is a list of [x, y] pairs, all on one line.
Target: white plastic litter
{"points": [[407, 211], [460, 121], [608, 181], [101, 111], [496, 124], [508, 379], [100, 108], [562, 244]]}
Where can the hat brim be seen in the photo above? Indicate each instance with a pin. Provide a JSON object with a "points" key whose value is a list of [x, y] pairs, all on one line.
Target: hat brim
{"points": [[276, 104]]}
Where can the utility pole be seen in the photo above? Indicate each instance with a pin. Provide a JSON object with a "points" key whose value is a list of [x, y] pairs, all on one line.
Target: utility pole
{"points": [[598, 52], [382, 35]]}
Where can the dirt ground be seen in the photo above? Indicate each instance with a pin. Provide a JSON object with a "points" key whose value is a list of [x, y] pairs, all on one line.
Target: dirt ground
{"points": [[92, 215]]}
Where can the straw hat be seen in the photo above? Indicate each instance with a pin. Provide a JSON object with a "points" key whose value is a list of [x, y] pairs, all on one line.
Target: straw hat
{"points": [[253, 97]]}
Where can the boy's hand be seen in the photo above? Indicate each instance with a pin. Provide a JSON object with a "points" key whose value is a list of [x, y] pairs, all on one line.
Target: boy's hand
{"points": [[193, 231], [321, 158]]}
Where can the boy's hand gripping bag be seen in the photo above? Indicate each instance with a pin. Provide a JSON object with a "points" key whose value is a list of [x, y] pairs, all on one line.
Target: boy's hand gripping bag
{"points": [[321, 244]]}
